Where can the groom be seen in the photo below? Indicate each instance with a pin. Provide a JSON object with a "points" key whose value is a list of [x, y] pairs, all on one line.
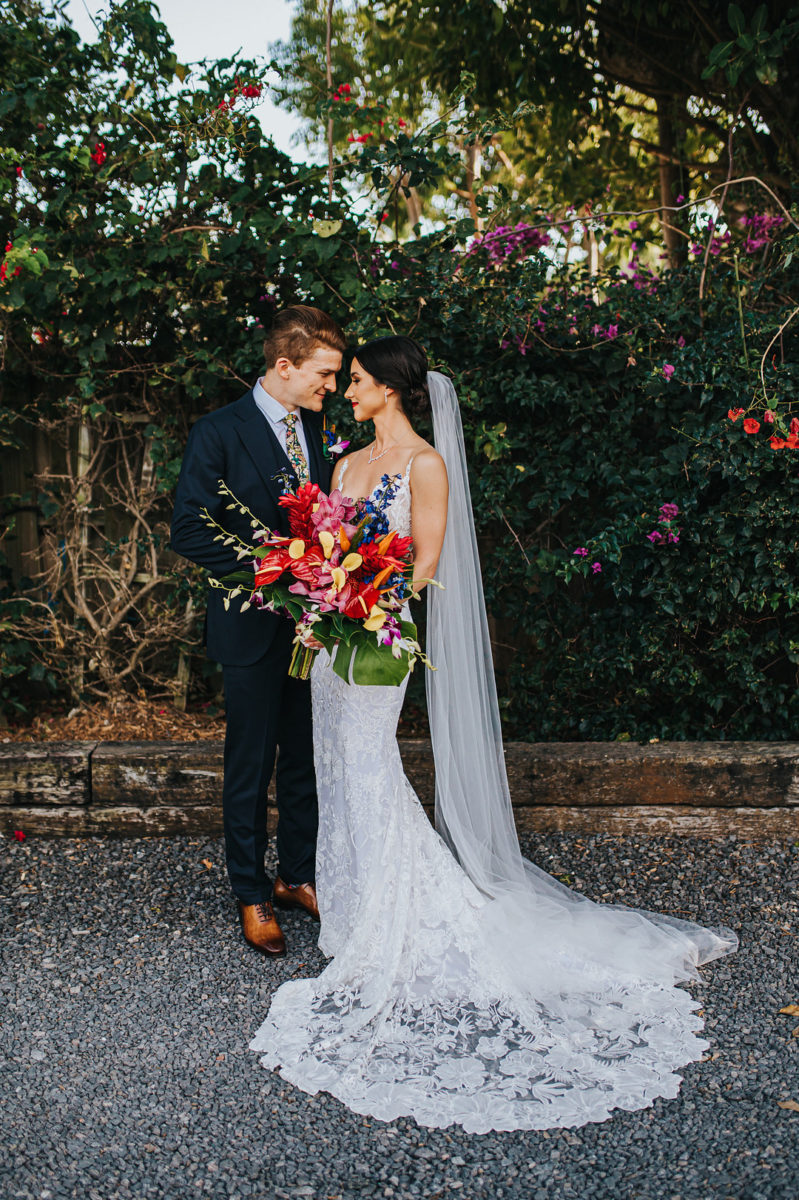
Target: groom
{"points": [[276, 427]]}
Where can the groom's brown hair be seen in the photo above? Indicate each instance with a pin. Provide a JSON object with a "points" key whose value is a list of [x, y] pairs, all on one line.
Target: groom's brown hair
{"points": [[297, 331]]}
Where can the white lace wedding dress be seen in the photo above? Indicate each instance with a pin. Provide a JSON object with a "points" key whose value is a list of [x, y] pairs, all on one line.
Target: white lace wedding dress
{"points": [[443, 1004]]}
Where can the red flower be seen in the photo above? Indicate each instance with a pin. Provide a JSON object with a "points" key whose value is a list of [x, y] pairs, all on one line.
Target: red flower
{"points": [[300, 508], [768, 417], [251, 91], [794, 425], [272, 567], [751, 425], [98, 154], [19, 836], [361, 603], [735, 413], [307, 567], [19, 171], [393, 556]]}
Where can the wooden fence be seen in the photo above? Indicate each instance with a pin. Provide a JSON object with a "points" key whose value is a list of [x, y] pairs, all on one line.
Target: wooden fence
{"points": [[747, 790]]}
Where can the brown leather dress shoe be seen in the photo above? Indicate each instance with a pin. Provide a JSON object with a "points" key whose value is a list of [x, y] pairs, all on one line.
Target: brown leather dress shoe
{"points": [[301, 896], [261, 929]]}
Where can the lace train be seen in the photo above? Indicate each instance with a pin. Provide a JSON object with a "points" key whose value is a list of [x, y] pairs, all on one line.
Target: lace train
{"points": [[445, 1005]]}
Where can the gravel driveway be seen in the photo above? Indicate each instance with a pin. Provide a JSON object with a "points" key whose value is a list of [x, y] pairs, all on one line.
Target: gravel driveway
{"points": [[128, 998]]}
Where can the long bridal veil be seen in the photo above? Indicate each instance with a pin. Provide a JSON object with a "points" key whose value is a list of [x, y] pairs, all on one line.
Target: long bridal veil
{"points": [[474, 813]]}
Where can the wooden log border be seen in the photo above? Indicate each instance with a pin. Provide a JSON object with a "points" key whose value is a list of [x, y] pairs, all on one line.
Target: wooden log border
{"points": [[708, 789]]}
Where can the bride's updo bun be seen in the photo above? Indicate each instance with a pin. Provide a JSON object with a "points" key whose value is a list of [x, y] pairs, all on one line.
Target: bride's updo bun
{"points": [[399, 363]]}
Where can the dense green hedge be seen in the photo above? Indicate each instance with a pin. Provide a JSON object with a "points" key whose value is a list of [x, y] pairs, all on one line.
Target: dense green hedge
{"points": [[589, 402]]}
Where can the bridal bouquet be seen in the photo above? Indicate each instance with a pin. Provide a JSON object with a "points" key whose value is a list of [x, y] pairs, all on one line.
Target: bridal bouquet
{"points": [[340, 574]]}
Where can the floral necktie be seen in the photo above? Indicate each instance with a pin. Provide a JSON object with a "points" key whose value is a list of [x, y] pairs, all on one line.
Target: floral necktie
{"points": [[294, 449]]}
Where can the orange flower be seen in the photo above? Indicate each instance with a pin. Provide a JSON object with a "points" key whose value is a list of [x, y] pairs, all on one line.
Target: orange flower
{"points": [[735, 413], [751, 425]]}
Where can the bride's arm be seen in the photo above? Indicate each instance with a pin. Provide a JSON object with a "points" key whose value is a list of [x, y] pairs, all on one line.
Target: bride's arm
{"points": [[429, 492]]}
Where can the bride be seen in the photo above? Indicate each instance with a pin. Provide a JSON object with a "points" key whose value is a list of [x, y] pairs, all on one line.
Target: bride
{"points": [[465, 984]]}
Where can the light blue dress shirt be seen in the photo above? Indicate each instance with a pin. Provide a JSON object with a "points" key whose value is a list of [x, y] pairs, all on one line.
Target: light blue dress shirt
{"points": [[274, 412]]}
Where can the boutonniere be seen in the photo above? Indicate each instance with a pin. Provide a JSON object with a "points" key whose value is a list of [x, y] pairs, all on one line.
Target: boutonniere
{"points": [[331, 446]]}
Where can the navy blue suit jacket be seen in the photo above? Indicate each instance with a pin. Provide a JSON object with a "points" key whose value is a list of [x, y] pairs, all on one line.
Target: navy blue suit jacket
{"points": [[236, 444]]}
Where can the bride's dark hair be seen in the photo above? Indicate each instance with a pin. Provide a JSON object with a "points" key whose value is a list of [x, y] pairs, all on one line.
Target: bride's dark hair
{"points": [[399, 363]]}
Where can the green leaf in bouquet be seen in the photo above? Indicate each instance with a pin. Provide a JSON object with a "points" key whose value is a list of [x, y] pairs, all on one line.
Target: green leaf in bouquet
{"points": [[376, 666], [341, 661]]}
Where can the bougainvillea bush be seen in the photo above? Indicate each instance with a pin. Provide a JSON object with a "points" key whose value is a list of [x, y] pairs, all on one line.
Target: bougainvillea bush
{"points": [[631, 431], [639, 537]]}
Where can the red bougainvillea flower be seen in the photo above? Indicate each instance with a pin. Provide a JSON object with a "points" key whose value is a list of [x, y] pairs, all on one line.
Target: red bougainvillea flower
{"points": [[751, 425], [19, 836], [735, 413]]}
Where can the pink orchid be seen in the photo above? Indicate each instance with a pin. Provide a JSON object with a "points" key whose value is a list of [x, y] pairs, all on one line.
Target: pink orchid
{"points": [[334, 511]]}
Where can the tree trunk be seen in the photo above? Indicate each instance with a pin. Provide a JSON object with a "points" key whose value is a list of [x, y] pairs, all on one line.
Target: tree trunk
{"points": [[671, 176]]}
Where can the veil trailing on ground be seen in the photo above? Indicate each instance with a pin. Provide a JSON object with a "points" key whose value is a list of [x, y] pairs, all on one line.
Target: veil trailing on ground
{"points": [[474, 814]]}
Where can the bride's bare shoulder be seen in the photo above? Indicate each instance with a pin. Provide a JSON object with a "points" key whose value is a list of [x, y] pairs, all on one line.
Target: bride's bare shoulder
{"points": [[428, 467]]}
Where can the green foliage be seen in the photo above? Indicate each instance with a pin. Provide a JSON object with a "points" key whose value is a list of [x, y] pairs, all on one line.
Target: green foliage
{"points": [[577, 439], [148, 272]]}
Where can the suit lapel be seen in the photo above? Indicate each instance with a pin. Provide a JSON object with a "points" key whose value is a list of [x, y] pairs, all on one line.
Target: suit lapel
{"points": [[317, 463], [267, 455]]}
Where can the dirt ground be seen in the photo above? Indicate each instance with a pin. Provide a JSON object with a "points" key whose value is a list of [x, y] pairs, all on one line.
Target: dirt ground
{"points": [[135, 720], [129, 720]]}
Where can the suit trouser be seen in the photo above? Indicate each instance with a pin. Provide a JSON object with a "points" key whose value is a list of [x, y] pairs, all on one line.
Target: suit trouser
{"points": [[268, 713]]}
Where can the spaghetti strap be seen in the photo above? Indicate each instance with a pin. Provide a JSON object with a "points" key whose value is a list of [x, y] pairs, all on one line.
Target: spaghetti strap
{"points": [[407, 472]]}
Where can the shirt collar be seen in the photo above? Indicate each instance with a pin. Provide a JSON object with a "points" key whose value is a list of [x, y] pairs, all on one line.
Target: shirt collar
{"points": [[271, 407]]}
